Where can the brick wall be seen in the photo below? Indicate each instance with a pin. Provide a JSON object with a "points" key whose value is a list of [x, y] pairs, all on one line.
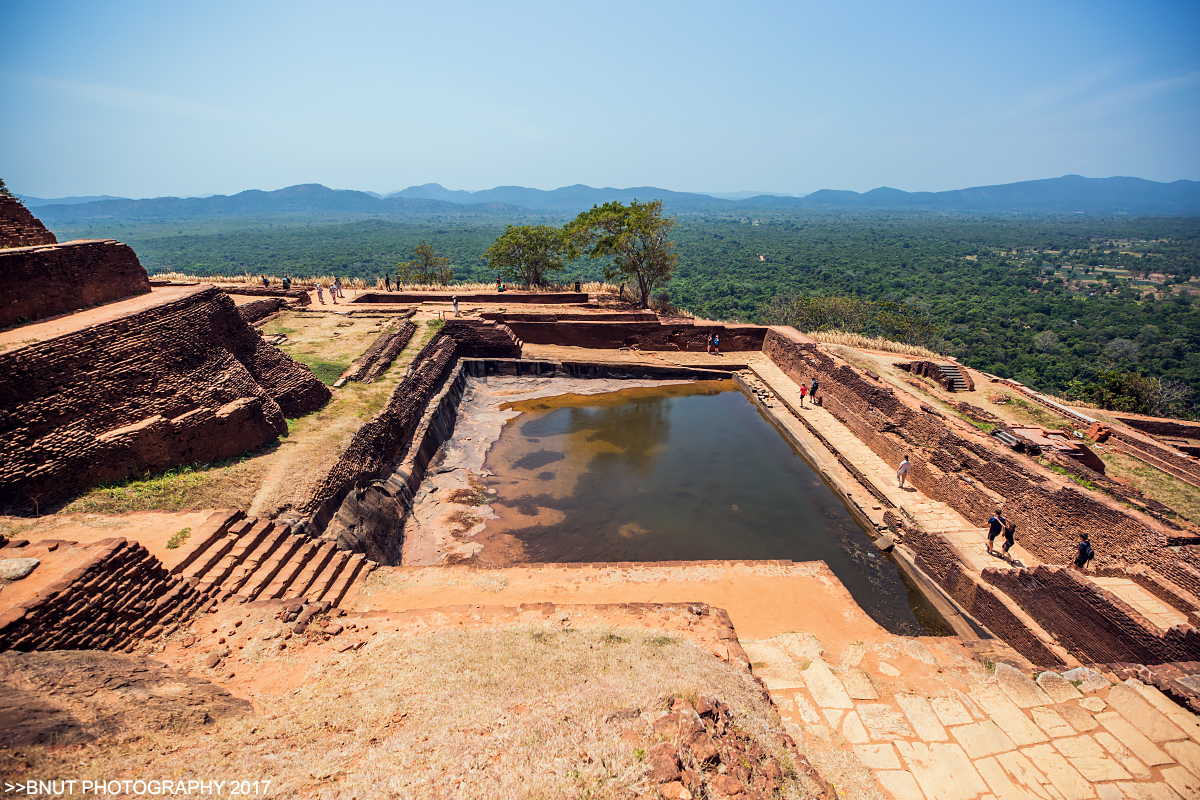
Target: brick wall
{"points": [[120, 595], [19, 228], [56, 279], [1163, 427], [182, 382], [485, 339], [1094, 624], [644, 335], [382, 352], [260, 309]]}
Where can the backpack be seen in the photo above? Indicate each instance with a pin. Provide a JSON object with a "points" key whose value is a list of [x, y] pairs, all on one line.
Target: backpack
{"points": [[1086, 553]]}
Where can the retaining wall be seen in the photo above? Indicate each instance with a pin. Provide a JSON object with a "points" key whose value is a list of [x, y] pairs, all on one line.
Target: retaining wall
{"points": [[382, 352], [260, 309], [187, 381], [57, 279], [1092, 623], [122, 594], [642, 335], [546, 298]]}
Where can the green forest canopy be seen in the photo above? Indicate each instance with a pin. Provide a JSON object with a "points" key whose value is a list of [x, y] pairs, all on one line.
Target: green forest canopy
{"points": [[1046, 301]]}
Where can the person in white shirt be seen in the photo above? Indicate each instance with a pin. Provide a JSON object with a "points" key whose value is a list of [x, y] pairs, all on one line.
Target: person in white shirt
{"points": [[902, 472]]}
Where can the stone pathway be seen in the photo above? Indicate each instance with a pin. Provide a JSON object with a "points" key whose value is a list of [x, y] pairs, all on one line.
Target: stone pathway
{"points": [[1146, 604], [931, 724]]}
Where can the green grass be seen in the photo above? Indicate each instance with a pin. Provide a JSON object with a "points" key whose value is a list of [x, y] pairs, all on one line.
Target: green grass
{"points": [[327, 372], [176, 489], [178, 538], [435, 324]]}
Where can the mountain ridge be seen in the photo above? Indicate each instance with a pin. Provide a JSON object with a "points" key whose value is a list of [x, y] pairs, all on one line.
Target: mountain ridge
{"points": [[1069, 194]]}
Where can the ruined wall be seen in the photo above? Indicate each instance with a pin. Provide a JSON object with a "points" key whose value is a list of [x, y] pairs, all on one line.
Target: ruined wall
{"points": [[933, 371], [20, 228], [967, 475], [1092, 623], [538, 298], [382, 352], [378, 447], [643, 335], [186, 381], [486, 339], [1163, 427], [120, 595], [56, 279], [259, 309], [299, 296]]}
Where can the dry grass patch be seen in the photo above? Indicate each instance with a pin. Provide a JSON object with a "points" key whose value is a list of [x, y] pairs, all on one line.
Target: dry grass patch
{"points": [[223, 484], [517, 713], [873, 343], [1182, 497]]}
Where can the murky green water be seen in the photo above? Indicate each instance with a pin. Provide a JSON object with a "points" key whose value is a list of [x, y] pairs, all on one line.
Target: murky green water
{"points": [[682, 472]]}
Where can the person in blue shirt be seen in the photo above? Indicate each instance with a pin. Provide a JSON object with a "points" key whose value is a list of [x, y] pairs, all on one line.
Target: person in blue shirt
{"points": [[995, 526]]}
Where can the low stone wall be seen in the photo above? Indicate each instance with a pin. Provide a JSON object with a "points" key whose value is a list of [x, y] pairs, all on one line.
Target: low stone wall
{"points": [[20, 228], [260, 309], [186, 381], [651, 336], [483, 339], [378, 447], [1092, 623], [118, 597], [933, 371], [1163, 427], [382, 352], [57, 279], [537, 298], [298, 296]]}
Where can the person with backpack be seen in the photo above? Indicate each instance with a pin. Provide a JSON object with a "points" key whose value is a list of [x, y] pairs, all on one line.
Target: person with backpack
{"points": [[812, 391], [995, 525], [1010, 537], [1083, 553]]}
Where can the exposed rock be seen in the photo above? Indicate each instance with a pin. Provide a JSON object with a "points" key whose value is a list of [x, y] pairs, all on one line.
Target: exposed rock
{"points": [[13, 569], [665, 764]]}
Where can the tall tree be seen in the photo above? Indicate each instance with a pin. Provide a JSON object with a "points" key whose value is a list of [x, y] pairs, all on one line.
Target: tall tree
{"points": [[528, 253], [4, 192], [636, 237], [426, 267]]}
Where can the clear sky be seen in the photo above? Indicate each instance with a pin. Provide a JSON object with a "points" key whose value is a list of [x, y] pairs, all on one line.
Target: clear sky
{"points": [[142, 99]]}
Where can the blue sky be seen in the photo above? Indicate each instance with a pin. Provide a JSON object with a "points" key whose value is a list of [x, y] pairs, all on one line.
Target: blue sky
{"points": [[148, 99]]}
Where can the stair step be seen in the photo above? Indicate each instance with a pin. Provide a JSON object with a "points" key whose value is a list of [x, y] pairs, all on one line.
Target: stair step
{"points": [[212, 529], [257, 557], [325, 551], [327, 576], [347, 576], [289, 571], [218, 550], [245, 543], [263, 576]]}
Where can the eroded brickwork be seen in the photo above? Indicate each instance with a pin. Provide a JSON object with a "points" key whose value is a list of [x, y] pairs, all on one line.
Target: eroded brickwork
{"points": [[485, 339], [260, 309], [1092, 623], [20, 228], [56, 279], [183, 382], [120, 595], [642, 335]]}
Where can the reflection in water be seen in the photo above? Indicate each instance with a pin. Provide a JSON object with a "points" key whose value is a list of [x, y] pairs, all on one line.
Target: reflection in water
{"points": [[684, 472]]}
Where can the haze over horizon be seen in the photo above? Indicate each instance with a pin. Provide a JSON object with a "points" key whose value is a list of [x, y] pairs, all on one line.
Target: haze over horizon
{"points": [[144, 100]]}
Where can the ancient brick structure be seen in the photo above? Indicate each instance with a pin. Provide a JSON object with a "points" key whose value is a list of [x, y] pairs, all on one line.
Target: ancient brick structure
{"points": [[120, 595], [299, 296], [948, 376], [382, 352], [483, 339], [1094, 624], [259, 309], [56, 279], [642, 335], [187, 381], [491, 298], [19, 228]]}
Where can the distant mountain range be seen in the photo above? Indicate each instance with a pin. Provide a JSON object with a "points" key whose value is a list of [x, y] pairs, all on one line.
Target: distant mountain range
{"points": [[34, 202], [1071, 194]]}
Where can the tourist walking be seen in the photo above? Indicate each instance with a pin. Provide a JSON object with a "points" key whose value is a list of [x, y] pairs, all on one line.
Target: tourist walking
{"points": [[456, 306], [812, 391], [716, 343], [995, 524], [1010, 537], [803, 392], [902, 471], [1083, 553], [266, 283], [708, 343], [320, 294], [333, 293], [387, 282], [338, 283]]}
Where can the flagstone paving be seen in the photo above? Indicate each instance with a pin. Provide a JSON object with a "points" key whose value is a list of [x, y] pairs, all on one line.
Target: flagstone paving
{"points": [[947, 728]]}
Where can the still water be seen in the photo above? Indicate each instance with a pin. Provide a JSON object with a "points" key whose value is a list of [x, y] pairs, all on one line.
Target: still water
{"points": [[681, 472]]}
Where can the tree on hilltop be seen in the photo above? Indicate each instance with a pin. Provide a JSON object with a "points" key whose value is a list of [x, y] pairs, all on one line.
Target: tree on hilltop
{"points": [[426, 267], [4, 192], [528, 253], [636, 237]]}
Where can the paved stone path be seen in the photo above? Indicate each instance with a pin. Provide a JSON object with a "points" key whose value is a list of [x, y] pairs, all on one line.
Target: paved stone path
{"points": [[931, 724]]}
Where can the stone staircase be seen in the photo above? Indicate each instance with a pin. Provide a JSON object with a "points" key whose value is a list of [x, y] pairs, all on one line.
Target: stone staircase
{"points": [[245, 558], [958, 382]]}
